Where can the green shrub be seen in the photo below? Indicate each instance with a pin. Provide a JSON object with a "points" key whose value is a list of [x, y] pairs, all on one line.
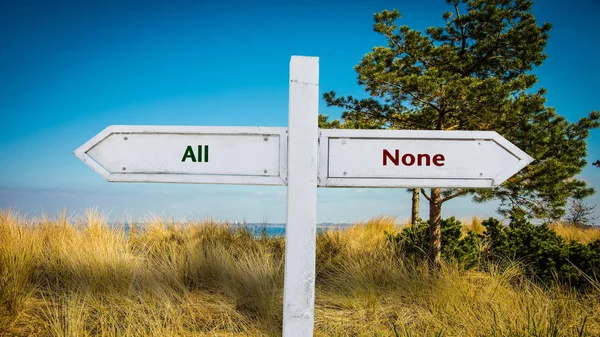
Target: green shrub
{"points": [[413, 242], [545, 256]]}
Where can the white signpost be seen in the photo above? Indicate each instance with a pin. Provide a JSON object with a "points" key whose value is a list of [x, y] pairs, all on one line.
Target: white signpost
{"points": [[302, 157]]}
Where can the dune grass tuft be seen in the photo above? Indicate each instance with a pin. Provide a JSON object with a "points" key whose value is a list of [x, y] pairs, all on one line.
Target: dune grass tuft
{"points": [[576, 233]]}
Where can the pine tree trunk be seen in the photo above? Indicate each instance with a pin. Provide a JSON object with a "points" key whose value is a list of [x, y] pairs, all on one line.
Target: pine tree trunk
{"points": [[414, 218], [435, 229]]}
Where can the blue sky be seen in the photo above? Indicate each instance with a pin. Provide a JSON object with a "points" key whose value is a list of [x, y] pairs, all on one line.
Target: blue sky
{"points": [[68, 69]]}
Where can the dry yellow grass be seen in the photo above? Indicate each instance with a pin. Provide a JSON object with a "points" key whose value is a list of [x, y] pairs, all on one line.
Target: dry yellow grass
{"points": [[474, 224], [569, 232], [86, 279], [575, 233]]}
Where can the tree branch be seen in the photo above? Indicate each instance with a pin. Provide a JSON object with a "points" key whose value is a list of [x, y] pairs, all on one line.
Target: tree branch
{"points": [[402, 49], [462, 32], [488, 56], [431, 105], [417, 98], [408, 124], [456, 194], [425, 195]]}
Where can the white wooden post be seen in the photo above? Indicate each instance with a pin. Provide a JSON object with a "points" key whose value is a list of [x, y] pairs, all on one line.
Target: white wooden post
{"points": [[303, 135]]}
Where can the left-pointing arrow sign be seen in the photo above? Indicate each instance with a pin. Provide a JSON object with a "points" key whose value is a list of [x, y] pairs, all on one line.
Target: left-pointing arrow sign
{"points": [[189, 154]]}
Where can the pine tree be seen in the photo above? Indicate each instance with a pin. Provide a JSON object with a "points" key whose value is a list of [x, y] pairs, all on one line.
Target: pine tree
{"points": [[474, 73]]}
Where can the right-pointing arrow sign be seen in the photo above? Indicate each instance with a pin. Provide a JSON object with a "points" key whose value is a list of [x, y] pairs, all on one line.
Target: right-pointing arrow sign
{"points": [[406, 158]]}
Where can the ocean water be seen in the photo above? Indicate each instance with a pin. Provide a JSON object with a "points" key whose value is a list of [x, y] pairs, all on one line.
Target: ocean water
{"points": [[277, 230], [256, 229]]}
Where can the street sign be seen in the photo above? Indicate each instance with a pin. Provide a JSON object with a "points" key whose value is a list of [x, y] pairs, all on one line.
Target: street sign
{"points": [[302, 158], [407, 158], [189, 154]]}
